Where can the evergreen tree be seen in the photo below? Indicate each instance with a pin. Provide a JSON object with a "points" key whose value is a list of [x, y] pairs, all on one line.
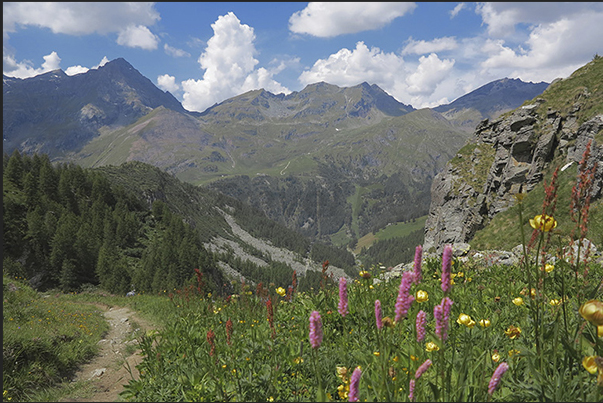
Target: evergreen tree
{"points": [[14, 169]]}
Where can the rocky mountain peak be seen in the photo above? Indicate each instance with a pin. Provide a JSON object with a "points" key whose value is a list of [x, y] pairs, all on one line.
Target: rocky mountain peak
{"points": [[506, 156]]}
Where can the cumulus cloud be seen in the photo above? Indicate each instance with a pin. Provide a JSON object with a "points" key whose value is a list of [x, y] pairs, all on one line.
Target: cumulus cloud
{"points": [[75, 18], [352, 67], [501, 18], [337, 18], [424, 47], [25, 69], [167, 83], [138, 36], [229, 64], [52, 61], [175, 52], [412, 82], [85, 18], [553, 49], [430, 72]]}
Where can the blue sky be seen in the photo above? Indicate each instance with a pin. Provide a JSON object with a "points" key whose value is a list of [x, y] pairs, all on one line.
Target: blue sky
{"points": [[423, 54]]}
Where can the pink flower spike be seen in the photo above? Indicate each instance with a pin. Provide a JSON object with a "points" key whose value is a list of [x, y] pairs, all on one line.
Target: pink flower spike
{"points": [[446, 265], [315, 329], [418, 276], [343, 296], [354, 381], [424, 367], [378, 314], [411, 390], [420, 325], [498, 373], [404, 300]]}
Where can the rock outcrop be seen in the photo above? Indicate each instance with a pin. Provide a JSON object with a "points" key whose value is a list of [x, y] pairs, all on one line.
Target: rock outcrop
{"points": [[505, 156]]}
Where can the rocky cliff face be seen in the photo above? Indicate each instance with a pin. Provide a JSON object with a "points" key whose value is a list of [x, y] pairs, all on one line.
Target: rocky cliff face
{"points": [[506, 156]]}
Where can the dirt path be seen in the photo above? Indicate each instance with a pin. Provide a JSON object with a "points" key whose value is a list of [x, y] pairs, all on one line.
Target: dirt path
{"points": [[108, 371]]}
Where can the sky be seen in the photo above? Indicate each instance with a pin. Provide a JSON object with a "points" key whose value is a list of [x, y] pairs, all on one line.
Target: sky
{"points": [[423, 54]]}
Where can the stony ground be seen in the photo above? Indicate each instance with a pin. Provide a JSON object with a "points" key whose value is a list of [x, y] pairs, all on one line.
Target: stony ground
{"points": [[114, 366]]}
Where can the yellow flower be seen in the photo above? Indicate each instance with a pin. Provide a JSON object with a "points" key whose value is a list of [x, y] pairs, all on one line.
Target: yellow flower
{"points": [[592, 311], [513, 352], [484, 322], [281, 291], [465, 320], [422, 296], [377, 353], [496, 357], [589, 364], [555, 302], [513, 332], [388, 322], [518, 301], [548, 267], [342, 373], [543, 223], [365, 274], [600, 331], [431, 346], [460, 274]]}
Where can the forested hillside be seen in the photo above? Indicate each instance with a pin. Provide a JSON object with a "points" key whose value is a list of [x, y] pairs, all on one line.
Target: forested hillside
{"points": [[67, 227]]}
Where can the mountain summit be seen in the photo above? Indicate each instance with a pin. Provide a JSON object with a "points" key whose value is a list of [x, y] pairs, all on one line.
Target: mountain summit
{"points": [[55, 113]]}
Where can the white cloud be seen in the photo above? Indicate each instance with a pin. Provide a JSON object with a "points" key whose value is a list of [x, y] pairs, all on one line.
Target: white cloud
{"points": [[348, 68], [229, 64], [167, 83], [503, 17], [337, 18], [138, 36], [25, 69], [73, 70], [424, 47], [75, 18], [554, 49], [430, 72], [175, 52], [414, 82], [457, 9]]}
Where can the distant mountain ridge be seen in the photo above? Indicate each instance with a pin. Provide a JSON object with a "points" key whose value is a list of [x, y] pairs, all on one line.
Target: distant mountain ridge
{"points": [[490, 101], [350, 160], [54, 112]]}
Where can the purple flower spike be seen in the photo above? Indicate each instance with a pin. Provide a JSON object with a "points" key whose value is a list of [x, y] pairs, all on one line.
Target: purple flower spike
{"points": [[424, 367], [441, 313], [354, 381], [343, 296], [446, 264], [417, 266], [420, 324], [315, 329], [378, 314], [404, 299], [498, 373], [411, 389]]}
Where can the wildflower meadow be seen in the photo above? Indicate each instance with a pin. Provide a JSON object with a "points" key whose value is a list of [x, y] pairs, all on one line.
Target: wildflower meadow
{"points": [[450, 329]]}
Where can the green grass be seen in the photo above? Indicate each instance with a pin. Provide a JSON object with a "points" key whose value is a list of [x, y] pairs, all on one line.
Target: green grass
{"points": [[397, 230], [44, 339]]}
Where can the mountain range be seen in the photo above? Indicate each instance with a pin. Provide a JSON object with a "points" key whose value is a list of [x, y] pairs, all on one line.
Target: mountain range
{"points": [[332, 163]]}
